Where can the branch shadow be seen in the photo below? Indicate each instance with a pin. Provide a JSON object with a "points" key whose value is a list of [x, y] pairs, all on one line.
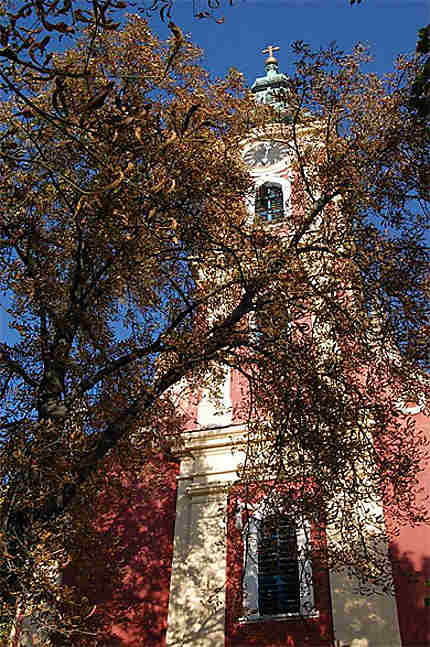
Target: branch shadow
{"points": [[127, 581]]}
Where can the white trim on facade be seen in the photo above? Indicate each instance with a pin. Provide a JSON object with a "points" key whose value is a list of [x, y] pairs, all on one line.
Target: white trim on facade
{"points": [[414, 409]]}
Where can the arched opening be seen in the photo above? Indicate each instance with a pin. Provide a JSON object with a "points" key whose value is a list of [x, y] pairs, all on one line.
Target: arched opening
{"points": [[269, 202], [277, 579]]}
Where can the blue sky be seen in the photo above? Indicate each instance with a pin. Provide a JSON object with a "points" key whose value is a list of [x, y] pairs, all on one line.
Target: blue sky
{"points": [[389, 26]]}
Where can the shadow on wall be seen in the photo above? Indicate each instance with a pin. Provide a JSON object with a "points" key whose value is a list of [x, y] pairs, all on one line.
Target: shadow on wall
{"points": [[127, 580], [374, 620], [294, 632], [136, 534], [412, 585]]}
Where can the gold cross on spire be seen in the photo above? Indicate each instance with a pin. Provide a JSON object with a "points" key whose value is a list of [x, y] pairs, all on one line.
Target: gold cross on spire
{"points": [[269, 50]]}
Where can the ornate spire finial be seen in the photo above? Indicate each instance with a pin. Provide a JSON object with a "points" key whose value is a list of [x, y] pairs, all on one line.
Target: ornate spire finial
{"points": [[269, 50]]}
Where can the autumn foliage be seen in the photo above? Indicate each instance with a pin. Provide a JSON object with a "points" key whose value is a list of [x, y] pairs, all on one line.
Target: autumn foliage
{"points": [[131, 266]]}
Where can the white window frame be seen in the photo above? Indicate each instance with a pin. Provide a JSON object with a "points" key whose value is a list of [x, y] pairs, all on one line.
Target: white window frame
{"points": [[250, 568], [283, 182]]}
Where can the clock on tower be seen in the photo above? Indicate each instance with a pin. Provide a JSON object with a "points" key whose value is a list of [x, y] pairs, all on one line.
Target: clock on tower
{"points": [[266, 154]]}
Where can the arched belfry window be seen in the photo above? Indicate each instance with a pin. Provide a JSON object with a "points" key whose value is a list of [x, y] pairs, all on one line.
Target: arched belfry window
{"points": [[269, 202]]}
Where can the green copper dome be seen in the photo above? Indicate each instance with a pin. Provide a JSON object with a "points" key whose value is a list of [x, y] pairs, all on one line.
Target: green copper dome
{"points": [[271, 89]]}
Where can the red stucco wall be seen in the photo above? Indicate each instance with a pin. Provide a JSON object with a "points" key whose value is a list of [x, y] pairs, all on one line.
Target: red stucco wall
{"points": [[410, 557], [135, 529]]}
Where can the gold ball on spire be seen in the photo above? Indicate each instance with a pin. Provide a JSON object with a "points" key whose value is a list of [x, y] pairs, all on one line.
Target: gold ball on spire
{"points": [[269, 50]]}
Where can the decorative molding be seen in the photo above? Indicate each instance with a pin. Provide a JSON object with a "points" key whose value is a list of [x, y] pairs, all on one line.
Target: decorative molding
{"points": [[202, 489], [212, 439], [271, 176], [250, 563], [195, 475], [414, 409]]}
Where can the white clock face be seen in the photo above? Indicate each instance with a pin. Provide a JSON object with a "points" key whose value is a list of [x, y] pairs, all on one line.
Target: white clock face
{"points": [[265, 154]]}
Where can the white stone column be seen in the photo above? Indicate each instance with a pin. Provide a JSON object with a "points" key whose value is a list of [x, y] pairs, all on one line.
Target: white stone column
{"points": [[197, 594]]}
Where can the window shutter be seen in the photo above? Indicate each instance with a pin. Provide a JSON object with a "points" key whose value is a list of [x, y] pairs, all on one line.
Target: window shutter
{"points": [[278, 568], [275, 200], [261, 200], [305, 568]]}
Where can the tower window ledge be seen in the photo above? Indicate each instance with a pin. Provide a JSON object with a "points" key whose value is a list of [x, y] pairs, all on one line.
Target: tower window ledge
{"points": [[275, 222], [279, 618]]}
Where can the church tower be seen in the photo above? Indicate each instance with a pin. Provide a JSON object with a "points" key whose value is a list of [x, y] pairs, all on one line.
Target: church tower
{"points": [[242, 582]]}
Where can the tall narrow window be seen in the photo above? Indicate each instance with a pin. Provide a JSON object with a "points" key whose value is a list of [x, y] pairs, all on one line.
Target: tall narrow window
{"points": [[269, 202], [277, 579], [278, 567]]}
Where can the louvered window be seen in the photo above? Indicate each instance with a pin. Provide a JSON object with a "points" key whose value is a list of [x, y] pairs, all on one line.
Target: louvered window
{"points": [[277, 578], [278, 567], [269, 203]]}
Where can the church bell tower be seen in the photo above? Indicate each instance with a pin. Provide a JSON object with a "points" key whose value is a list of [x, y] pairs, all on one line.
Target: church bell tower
{"points": [[236, 582]]}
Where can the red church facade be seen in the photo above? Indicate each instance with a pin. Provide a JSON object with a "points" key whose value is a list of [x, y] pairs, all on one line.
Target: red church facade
{"points": [[183, 551]]}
